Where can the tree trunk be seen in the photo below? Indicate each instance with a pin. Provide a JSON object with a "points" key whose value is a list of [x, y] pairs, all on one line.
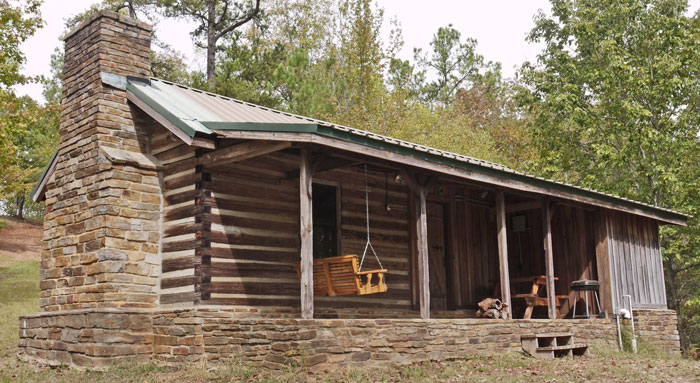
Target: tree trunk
{"points": [[19, 202], [211, 43]]}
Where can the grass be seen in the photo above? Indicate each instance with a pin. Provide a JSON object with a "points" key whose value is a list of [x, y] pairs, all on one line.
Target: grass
{"points": [[19, 295]]}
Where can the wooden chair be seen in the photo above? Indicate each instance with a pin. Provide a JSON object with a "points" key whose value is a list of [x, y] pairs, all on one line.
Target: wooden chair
{"points": [[340, 276]]}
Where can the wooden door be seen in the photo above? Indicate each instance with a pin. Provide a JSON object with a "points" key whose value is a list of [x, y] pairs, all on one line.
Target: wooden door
{"points": [[437, 251]]}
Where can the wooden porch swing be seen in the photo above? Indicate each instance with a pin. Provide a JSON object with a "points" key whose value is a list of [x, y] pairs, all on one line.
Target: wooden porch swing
{"points": [[343, 275]]}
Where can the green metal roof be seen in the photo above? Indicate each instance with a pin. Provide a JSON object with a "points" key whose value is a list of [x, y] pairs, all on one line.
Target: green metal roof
{"points": [[200, 114]]}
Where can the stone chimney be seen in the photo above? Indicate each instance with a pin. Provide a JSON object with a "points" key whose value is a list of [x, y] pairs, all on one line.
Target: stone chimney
{"points": [[102, 219]]}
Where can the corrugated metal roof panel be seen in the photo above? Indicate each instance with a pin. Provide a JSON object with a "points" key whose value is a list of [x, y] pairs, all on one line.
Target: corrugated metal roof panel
{"points": [[197, 108]]}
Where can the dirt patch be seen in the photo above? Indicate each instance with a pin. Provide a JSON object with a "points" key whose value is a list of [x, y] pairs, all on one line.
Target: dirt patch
{"points": [[20, 240]]}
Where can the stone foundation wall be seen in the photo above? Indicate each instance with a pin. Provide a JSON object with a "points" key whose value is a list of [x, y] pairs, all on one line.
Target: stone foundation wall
{"points": [[658, 327], [95, 338]]}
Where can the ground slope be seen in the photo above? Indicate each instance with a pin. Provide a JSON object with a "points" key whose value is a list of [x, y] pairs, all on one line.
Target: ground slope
{"points": [[20, 246]]}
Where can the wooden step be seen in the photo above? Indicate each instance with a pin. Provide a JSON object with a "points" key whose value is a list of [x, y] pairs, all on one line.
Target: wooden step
{"points": [[564, 347], [547, 335], [552, 345]]}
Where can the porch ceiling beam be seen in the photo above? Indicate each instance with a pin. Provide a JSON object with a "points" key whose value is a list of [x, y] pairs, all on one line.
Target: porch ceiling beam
{"points": [[323, 163], [243, 151], [503, 251], [306, 236], [549, 258], [491, 179]]}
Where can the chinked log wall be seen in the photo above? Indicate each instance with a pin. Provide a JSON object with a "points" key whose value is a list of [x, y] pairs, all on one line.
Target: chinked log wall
{"points": [[184, 218], [255, 231]]}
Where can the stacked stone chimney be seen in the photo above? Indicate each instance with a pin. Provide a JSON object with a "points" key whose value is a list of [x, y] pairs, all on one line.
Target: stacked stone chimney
{"points": [[102, 219]]}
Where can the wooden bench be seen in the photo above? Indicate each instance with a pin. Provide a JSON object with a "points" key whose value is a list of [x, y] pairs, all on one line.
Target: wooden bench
{"points": [[340, 276]]}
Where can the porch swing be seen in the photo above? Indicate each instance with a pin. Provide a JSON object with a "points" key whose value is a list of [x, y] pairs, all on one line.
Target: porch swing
{"points": [[343, 275]]}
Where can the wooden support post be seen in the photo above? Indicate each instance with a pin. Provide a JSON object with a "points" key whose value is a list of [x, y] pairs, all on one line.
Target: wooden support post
{"points": [[306, 236], [422, 237], [602, 254], [503, 251], [548, 258]]}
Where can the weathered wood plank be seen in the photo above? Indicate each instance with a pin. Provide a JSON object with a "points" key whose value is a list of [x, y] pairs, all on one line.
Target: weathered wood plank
{"points": [[423, 272], [503, 250], [306, 235], [602, 250], [548, 259]]}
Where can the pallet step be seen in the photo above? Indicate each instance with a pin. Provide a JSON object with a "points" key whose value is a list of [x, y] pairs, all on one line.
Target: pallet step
{"points": [[564, 347], [552, 345], [547, 335]]}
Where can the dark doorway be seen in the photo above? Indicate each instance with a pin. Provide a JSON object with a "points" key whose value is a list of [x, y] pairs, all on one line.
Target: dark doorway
{"points": [[437, 255], [325, 216]]}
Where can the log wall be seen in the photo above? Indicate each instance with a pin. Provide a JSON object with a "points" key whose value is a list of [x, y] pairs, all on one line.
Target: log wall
{"points": [[255, 233], [182, 224]]}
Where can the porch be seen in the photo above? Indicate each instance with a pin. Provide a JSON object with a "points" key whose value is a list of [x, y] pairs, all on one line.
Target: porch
{"points": [[446, 242]]}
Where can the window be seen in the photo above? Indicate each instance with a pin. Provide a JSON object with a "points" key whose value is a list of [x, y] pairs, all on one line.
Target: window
{"points": [[325, 216]]}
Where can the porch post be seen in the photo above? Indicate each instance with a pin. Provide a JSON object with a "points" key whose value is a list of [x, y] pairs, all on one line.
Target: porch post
{"points": [[548, 258], [422, 239], [503, 250], [306, 236]]}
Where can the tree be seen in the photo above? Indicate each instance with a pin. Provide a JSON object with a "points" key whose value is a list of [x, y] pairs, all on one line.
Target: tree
{"points": [[454, 64], [216, 18], [616, 107], [17, 23]]}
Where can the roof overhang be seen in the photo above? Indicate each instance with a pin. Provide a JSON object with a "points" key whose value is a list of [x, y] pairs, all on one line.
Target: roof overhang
{"points": [[196, 118]]}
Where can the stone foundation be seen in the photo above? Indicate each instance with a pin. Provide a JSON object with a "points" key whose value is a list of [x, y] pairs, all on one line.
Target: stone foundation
{"points": [[98, 337]]}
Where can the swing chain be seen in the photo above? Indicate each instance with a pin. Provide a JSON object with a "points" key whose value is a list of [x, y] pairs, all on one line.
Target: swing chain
{"points": [[369, 243]]}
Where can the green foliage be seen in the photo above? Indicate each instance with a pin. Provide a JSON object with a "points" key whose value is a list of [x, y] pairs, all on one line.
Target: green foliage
{"points": [[169, 65], [455, 64], [18, 21], [247, 66], [615, 104], [33, 133]]}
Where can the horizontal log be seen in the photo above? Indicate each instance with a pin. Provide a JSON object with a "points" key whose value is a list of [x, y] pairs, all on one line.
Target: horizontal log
{"points": [[185, 212], [189, 195], [182, 263], [180, 166], [226, 270], [185, 245], [240, 152], [251, 239], [250, 206], [186, 228], [179, 298], [253, 255], [269, 192], [294, 303], [257, 288], [175, 152], [376, 224], [183, 180], [252, 223], [169, 283]]}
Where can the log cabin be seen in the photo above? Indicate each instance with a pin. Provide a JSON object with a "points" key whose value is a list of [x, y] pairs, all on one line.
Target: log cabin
{"points": [[165, 201]]}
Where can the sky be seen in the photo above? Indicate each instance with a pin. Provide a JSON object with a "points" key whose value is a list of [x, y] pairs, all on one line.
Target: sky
{"points": [[499, 26]]}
